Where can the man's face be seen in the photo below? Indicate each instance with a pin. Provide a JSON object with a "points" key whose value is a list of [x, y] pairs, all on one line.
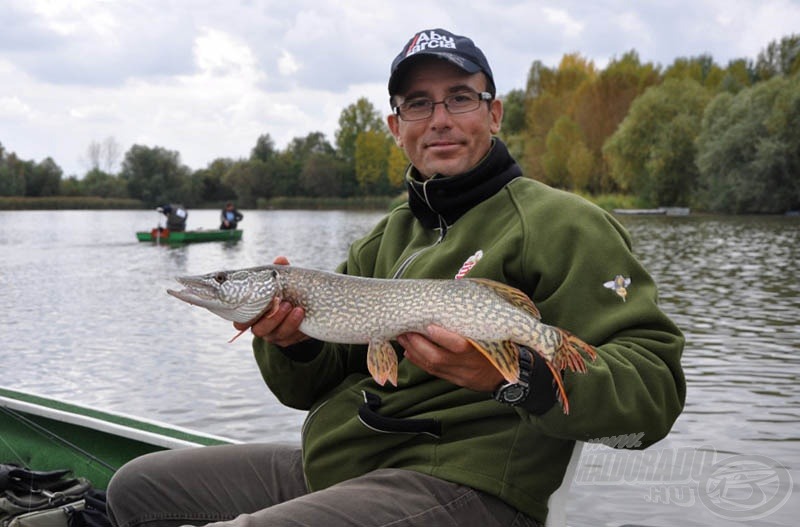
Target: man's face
{"points": [[443, 143]]}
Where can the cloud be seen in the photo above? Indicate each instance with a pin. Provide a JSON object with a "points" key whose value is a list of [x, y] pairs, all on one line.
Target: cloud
{"points": [[207, 78], [13, 108], [562, 19]]}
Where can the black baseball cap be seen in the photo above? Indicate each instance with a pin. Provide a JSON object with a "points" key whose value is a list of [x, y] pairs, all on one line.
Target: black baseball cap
{"points": [[459, 50]]}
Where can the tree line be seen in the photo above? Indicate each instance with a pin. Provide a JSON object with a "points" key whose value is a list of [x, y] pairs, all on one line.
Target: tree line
{"points": [[694, 134]]}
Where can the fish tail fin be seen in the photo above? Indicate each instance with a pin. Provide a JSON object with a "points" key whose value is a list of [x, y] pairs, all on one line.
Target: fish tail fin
{"points": [[568, 353], [558, 380], [567, 356], [382, 362]]}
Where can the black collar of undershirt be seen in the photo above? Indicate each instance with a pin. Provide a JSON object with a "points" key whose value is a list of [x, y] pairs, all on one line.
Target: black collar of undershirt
{"points": [[447, 198]]}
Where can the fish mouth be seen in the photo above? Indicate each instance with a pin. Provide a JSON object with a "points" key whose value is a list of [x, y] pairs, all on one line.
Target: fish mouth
{"points": [[194, 292], [199, 293]]}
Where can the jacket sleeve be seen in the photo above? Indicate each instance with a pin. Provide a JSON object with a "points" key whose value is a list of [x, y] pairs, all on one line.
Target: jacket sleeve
{"points": [[635, 387], [301, 374]]}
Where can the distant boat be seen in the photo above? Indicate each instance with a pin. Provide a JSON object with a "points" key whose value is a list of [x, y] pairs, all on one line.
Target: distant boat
{"points": [[668, 211], [161, 235]]}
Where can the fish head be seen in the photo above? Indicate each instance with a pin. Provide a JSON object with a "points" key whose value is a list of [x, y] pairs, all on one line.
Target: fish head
{"points": [[239, 296]]}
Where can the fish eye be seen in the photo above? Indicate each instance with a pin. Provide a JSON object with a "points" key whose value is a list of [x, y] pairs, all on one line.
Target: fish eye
{"points": [[220, 278], [274, 273]]}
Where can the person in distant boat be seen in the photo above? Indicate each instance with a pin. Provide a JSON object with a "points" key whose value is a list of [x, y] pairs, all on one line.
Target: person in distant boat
{"points": [[230, 217], [176, 216], [453, 443]]}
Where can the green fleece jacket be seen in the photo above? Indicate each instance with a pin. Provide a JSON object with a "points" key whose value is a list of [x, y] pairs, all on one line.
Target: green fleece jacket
{"points": [[554, 246]]}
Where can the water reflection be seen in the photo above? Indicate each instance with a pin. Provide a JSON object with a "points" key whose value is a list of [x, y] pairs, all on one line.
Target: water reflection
{"points": [[731, 284], [84, 315]]}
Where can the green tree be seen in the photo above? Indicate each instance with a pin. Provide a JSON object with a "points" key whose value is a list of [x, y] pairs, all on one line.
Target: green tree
{"points": [[701, 69], [356, 119], [71, 186], [264, 149], [560, 141], [652, 154], [43, 179], [551, 94], [541, 112], [371, 156], [738, 75], [396, 165], [749, 149], [12, 174], [283, 176], [512, 131], [580, 166], [513, 112], [209, 183], [301, 149], [779, 58], [322, 175], [102, 184], [286, 173], [155, 175], [243, 177]]}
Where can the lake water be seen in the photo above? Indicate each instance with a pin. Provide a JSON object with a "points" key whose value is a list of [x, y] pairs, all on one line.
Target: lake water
{"points": [[84, 316]]}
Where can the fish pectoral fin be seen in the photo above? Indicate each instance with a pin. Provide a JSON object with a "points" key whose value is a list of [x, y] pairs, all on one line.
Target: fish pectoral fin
{"points": [[382, 362], [511, 294], [504, 355], [238, 335]]}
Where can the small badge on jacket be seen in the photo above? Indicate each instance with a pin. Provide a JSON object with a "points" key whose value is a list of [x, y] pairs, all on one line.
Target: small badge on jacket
{"points": [[469, 264], [619, 285]]}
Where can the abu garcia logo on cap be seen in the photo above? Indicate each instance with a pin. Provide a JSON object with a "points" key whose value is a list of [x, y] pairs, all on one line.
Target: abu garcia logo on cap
{"points": [[430, 40]]}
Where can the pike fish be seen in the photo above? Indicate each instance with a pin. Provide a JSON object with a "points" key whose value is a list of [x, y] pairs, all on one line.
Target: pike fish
{"points": [[340, 308]]}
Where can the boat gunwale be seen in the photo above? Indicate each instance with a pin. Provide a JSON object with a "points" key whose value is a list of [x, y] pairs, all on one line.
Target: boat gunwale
{"points": [[139, 429], [191, 236]]}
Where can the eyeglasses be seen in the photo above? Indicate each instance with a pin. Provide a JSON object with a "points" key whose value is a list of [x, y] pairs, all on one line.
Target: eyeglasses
{"points": [[422, 108]]}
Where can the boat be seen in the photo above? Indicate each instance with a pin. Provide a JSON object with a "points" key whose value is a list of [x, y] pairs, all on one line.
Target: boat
{"points": [[668, 211], [639, 212], [162, 235], [48, 434], [43, 433]]}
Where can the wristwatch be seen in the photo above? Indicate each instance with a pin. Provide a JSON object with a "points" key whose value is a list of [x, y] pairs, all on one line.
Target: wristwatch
{"points": [[517, 393]]}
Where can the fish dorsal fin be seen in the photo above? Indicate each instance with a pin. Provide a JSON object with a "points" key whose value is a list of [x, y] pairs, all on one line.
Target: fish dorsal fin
{"points": [[511, 294]]}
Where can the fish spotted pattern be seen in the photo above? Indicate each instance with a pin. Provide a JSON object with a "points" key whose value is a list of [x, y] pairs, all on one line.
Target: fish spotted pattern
{"points": [[493, 317]]}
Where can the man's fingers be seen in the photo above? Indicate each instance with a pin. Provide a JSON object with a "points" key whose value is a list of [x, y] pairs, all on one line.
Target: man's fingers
{"points": [[447, 339]]}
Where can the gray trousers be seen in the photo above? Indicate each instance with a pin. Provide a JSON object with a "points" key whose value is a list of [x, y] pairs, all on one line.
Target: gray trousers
{"points": [[260, 485]]}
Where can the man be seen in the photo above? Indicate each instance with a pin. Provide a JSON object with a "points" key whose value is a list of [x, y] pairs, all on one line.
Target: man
{"points": [[230, 217], [452, 444], [176, 216]]}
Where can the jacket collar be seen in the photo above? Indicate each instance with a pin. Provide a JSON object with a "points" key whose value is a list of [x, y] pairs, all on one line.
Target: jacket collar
{"points": [[439, 201]]}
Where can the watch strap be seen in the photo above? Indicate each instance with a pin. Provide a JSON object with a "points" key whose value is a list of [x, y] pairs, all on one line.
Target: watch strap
{"points": [[502, 393]]}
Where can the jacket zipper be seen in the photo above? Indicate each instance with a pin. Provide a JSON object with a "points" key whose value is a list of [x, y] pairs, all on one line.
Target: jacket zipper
{"points": [[442, 233], [408, 261]]}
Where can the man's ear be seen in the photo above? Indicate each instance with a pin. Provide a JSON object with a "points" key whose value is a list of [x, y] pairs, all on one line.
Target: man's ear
{"points": [[394, 126], [495, 115]]}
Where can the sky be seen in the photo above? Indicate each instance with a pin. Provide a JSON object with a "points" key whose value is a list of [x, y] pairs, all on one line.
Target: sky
{"points": [[206, 78]]}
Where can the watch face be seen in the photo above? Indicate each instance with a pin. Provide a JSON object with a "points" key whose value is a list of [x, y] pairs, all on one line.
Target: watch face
{"points": [[514, 393]]}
